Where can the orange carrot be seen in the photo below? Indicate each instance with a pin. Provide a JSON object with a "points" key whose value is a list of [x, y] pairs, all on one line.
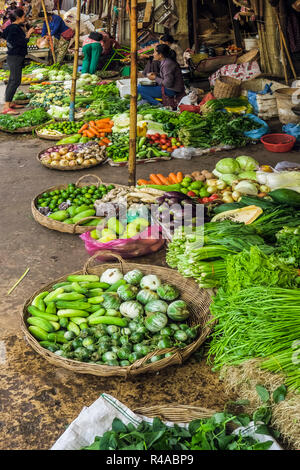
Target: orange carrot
{"points": [[83, 128], [154, 179], [172, 178], [141, 182], [106, 140], [90, 133], [179, 177], [163, 179]]}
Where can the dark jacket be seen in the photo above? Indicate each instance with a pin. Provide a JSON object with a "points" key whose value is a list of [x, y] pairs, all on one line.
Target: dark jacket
{"points": [[16, 40], [57, 27], [170, 76]]}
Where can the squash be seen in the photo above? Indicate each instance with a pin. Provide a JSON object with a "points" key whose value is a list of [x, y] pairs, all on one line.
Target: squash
{"points": [[178, 310], [134, 277], [146, 295], [168, 292], [156, 322], [245, 215], [156, 306]]}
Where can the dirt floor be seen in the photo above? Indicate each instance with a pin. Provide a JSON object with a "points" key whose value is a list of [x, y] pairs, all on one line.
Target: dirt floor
{"points": [[38, 401]]}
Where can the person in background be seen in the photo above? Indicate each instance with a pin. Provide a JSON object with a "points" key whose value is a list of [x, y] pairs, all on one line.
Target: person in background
{"points": [[170, 82], [16, 40], [108, 45], [60, 33], [92, 50], [170, 41]]}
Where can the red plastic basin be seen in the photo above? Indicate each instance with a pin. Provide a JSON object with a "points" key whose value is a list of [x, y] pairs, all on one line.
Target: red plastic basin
{"points": [[278, 142]]}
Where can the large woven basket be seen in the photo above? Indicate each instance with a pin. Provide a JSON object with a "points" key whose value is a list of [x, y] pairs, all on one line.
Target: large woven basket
{"points": [[21, 130], [49, 137], [61, 226], [250, 56], [197, 299], [175, 413], [227, 87], [67, 168]]}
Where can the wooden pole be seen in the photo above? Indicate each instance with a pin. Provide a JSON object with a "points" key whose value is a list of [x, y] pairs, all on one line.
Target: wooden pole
{"points": [[195, 29], [283, 61], [49, 32], [75, 63], [282, 38], [133, 93]]}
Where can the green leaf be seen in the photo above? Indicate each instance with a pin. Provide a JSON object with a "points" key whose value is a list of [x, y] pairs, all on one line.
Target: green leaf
{"points": [[262, 445], [158, 425], [118, 426], [263, 429], [263, 414], [94, 446], [263, 393], [194, 426], [279, 394]]}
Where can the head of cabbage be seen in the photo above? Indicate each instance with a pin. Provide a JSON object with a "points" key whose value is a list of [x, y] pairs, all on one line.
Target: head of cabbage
{"points": [[228, 166], [247, 163]]}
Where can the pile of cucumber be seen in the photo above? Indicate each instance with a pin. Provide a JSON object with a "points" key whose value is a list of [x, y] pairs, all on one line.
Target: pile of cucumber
{"points": [[112, 319]]}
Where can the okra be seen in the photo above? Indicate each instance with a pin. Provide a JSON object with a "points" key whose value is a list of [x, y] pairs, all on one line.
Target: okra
{"points": [[41, 323], [108, 321], [38, 332], [53, 295], [83, 277], [114, 287], [37, 313], [73, 327], [70, 312], [38, 301], [70, 296], [76, 304], [51, 308], [96, 300]]}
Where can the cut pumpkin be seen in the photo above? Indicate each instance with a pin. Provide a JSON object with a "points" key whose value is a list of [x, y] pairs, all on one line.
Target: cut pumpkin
{"points": [[245, 215]]}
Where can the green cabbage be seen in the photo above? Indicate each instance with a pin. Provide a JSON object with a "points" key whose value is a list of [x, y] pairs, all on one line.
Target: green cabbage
{"points": [[247, 175], [228, 165], [247, 163]]}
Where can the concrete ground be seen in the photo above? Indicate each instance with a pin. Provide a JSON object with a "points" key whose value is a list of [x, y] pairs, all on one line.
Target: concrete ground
{"points": [[39, 400]]}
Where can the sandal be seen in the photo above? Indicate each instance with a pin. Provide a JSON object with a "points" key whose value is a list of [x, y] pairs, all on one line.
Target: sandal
{"points": [[16, 106], [9, 111]]}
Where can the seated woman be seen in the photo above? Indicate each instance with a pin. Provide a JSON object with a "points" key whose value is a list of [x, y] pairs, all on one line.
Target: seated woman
{"points": [[92, 51], [170, 82], [170, 41]]}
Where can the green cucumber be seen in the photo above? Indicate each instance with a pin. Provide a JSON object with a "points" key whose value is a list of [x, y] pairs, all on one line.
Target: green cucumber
{"points": [[49, 345], [83, 278], [108, 321], [38, 332], [41, 323], [37, 313], [70, 312], [70, 296], [77, 305], [57, 337], [83, 215], [96, 300], [51, 308], [114, 287], [77, 288], [286, 196], [53, 295], [73, 327], [55, 325]]}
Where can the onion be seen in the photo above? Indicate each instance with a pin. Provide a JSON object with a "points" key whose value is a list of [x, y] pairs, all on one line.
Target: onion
{"points": [[54, 163], [79, 160], [93, 161], [72, 163], [86, 163], [64, 163]]}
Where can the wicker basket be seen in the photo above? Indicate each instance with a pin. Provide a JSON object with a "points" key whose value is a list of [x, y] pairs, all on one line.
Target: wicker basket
{"points": [[49, 137], [227, 87], [73, 168], [175, 413], [61, 226], [197, 299], [21, 130], [21, 101], [249, 56]]}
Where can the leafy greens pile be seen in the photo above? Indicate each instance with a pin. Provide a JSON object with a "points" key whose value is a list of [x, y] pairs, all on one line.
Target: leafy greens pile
{"points": [[30, 118], [201, 434]]}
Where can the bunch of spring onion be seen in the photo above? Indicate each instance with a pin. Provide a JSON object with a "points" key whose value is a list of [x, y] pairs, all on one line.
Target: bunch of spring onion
{"points": [[253, 323], [286, 362]]}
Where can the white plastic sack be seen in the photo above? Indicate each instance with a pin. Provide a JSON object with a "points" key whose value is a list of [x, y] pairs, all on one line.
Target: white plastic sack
{"points": [[282, 179], [96, 419]]}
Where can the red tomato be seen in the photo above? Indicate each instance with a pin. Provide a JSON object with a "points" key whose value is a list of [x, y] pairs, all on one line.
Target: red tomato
{"points": [[205, 200], [164, 136], [213, 197], [163, 141]]}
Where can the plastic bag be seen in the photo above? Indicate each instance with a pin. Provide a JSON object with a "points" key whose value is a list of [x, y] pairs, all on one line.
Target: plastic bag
{"points": [[144, 243], [257, 133], [281, 166], [292, 129], [185, 153], [252, 95]]}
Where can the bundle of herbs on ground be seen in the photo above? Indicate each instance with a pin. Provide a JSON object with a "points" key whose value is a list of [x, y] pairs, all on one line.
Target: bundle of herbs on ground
{"points": [[256, 322], [31, 118], [201, 434]]}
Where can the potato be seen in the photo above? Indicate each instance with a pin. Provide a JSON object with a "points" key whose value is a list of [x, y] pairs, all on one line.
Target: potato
{"points": [[200, 178], [63, 151]]}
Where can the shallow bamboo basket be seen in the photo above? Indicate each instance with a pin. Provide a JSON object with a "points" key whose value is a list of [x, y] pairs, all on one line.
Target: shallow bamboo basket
{"points": [[21, 130], [61, 226], [67, 168], [197, 299]]}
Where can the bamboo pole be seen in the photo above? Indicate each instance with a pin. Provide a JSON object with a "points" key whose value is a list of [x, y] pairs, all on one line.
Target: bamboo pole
{"points": [[75, 63], [49, 32], [282, 38], [133, 95], [283, 62], [195, 29]]}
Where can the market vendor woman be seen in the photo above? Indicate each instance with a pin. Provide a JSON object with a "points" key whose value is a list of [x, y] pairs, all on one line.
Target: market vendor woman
{"points": [[169, 83], [60, 33], [16, 40]]}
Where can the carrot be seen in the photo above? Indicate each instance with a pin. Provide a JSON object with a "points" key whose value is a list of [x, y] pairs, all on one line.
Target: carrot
{"points": [[106, 140], [84, 133], [90, 133], [94, 129], [83, 128], [141, 182], [154, 179], [163, 179], [92, 123], [173, 178], [179, 177]]}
